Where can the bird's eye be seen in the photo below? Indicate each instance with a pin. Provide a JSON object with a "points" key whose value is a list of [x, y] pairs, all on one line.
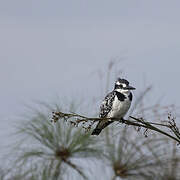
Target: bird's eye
{"points": [[121, 86]]}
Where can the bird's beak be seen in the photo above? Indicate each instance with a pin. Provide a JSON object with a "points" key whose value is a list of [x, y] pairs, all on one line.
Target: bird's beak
{"points": [[130, 88]]}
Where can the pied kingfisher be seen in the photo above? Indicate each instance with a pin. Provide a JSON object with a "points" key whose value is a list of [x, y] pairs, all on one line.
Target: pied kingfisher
{"points": [[115, 105]]}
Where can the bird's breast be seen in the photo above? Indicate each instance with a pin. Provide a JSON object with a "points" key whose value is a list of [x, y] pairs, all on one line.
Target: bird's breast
{"points": [[119, 108]]}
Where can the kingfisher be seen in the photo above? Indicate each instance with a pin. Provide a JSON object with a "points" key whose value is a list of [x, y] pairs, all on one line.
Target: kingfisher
{"points": [[115, 105]]}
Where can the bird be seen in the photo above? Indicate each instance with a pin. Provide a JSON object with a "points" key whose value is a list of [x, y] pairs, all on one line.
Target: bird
{"points": [[115, 105]]}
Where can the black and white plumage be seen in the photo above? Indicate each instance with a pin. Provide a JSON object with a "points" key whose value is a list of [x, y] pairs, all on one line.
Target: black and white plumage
{"points": [[115, 105]]}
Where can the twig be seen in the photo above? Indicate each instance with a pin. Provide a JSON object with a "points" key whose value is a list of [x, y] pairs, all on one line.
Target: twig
{"points": [[139, 122], [149, 126]]}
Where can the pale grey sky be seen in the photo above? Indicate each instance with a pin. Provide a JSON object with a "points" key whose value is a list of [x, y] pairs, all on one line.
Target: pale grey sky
{"points": [[54, 47]]}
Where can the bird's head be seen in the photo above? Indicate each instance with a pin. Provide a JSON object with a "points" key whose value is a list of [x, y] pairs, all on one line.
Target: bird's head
{"points": [[122, 86]]}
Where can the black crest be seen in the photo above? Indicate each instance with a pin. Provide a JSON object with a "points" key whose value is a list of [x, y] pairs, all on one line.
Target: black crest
{"points": [[122, 81]]}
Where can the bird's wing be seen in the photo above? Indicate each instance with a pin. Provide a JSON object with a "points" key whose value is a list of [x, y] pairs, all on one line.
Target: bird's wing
{"points": [[105, 108], [106, 105]]}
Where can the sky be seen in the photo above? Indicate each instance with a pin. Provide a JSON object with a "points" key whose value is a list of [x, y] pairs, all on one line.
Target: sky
{"points": [[55, 48]]}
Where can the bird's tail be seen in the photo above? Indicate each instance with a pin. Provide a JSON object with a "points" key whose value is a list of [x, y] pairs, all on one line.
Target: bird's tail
{"points": [[100, 127]]}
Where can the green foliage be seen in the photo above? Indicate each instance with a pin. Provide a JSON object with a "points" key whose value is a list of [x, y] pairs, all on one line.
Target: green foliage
{"points": [[49, 148], [134, 158]]}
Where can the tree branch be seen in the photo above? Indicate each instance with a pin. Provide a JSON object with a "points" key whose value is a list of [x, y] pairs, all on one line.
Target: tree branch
{"points": [[76, 119]]}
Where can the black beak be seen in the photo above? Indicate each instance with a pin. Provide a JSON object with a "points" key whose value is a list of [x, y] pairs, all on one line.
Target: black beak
{"points": [[130, 88]]}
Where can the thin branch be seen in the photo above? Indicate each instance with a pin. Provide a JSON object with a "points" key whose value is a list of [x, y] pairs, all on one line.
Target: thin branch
{"points": [[149, 126], [76, 119]]}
